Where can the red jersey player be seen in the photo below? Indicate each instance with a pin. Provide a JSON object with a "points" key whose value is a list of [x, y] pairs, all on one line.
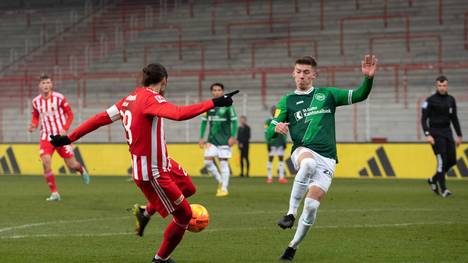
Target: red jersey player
{"points": [[51, 110], [162, 180]]}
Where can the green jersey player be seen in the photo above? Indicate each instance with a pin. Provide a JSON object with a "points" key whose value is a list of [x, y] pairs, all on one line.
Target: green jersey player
{"points": [[276, 147], [222, 133], [308, 114]]}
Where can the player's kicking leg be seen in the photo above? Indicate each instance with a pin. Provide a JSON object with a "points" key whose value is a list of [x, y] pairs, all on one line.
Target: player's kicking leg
{"points": [[307, 165], [184, 183], [320, 182], [305, 222], [66, 152]]}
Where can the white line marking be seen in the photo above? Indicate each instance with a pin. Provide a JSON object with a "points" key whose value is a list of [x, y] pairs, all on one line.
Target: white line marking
{"points": [[5, 229], [30, 225], [409, 224]]}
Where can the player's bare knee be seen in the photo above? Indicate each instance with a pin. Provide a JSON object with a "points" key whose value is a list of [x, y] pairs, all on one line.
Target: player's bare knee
{"points": [[280, 158], [316, 193]]}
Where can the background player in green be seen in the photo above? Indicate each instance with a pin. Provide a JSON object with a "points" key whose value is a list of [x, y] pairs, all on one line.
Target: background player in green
{"points": [[308, 114], [221, 136], [276, 147]]}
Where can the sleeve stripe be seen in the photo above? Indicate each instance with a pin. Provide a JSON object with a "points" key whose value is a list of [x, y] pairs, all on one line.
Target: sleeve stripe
{"points": [[274, 122], [350, 97], [113, 113]]}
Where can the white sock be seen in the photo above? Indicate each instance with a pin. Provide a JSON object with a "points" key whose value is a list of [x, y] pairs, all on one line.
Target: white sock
{"points": [[211, 167], [281, 170], [301, 184], [224, 167], [306, 221], [269, 167]]}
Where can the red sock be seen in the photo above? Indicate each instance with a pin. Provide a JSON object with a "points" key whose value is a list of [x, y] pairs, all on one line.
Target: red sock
{"points": [[50, 179], [175, 230], [80, 168], [150, 209]]}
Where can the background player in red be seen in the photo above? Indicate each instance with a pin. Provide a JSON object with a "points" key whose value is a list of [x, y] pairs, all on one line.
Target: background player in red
{"points": [[51, 110], [163, 182]]}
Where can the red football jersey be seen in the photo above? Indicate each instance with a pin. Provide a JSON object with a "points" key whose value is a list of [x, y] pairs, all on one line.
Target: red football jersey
{"points": [[53, 114], [142, 113]]}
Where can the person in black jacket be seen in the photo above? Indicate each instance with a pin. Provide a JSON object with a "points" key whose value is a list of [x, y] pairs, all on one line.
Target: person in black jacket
{"points": [[438, 112], [243, 138]]}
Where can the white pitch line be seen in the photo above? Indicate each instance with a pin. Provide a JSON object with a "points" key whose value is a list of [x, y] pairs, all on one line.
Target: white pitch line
{"points": [[5, 229], [409, 224], [357, 210]]}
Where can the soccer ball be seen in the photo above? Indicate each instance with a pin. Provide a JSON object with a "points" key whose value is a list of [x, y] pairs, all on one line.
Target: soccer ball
{"points": [[200, 218]]}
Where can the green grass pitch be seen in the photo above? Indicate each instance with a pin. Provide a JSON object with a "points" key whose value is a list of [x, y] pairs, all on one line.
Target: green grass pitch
{"points": [[360, 221]]}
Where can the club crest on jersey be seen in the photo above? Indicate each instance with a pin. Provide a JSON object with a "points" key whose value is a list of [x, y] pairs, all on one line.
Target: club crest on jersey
{"points": [[160, 98], [320, 96]]}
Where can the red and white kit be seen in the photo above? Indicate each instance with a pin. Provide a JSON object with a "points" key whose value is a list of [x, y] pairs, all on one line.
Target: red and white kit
{"points": [[53, 115], [142, 113]]}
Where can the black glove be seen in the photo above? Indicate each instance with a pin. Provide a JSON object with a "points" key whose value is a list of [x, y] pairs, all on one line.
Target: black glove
{"points": [[59, 140], [225, 100]]}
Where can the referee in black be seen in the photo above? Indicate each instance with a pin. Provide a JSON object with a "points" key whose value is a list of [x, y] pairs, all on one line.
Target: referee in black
{"points": [[438, 111]]}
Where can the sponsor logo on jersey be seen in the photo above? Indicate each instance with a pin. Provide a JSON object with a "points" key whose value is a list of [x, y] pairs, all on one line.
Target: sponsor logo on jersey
{"points": [[299, 102], [320, 96], [298, 115]]}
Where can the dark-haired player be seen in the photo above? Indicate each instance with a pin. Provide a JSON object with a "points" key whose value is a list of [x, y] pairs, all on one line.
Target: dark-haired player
{"points": [[52, 112], [308, 114], [222, 135], [438, 111], [163, 182]]}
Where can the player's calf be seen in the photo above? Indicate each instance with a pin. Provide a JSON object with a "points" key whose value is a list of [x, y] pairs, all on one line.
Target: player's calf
{"points": [[174, 232]]}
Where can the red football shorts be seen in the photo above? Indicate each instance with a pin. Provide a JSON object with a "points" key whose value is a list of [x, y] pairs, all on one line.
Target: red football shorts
{"points": [[45, 147], [168, 191]]}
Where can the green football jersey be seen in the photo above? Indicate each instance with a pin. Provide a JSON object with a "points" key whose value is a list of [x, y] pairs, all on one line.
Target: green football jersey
{"points": [[279, 140], [311, 116], [222, 125]]}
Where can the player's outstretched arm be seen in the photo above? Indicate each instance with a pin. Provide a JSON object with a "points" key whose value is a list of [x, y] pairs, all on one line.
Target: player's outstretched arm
{"points": [[346, 97], [179, 113], [368, 67], [86, 127]]}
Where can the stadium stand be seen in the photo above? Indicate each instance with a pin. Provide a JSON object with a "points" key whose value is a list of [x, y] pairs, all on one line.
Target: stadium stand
{"points": [[96, 55]]}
